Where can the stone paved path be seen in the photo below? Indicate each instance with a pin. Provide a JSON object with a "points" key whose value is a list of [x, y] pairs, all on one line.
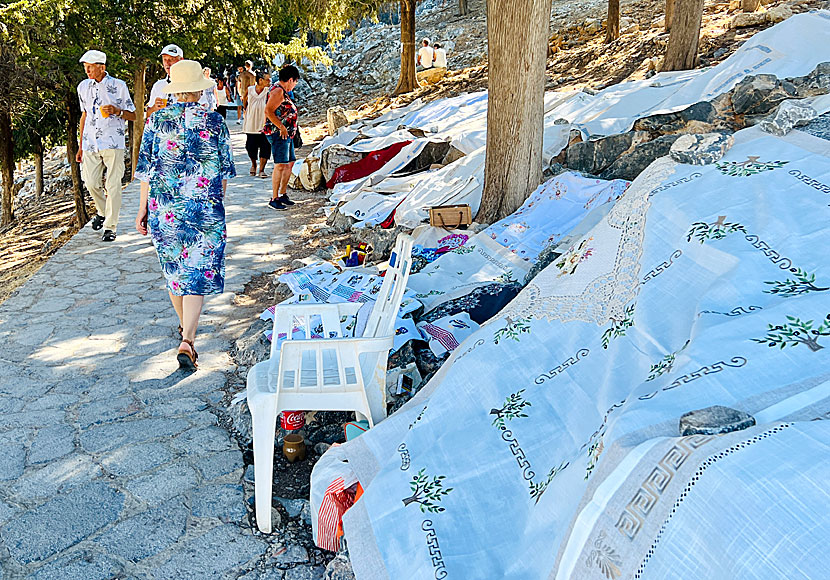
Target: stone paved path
{"points": [[112, 464]]}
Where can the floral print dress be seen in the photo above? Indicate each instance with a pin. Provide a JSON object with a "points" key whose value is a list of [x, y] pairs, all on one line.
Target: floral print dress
{"points": [[185, 154]]}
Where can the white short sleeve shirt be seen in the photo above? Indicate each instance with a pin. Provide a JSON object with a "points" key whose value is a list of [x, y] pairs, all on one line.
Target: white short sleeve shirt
{"points": [[426, 55], [440, 58], [103, 133]]}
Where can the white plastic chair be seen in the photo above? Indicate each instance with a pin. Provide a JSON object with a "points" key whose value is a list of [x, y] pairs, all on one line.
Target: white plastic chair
{"points": [[333, 373]]}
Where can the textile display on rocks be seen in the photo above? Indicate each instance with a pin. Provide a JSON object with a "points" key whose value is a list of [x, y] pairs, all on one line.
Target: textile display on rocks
{"points": [[560, 202], [548, 445]]}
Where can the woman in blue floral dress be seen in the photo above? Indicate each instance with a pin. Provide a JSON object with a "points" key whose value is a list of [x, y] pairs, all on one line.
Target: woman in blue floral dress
{"points": [[183, 165]]}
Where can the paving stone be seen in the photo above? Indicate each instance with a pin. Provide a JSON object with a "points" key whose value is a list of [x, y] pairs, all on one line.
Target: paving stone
{"points": [[136, 459], [211, 555], [46, 481], [79, 566], [200, 440], [53, 305], [51, 443], [107, 410], [34, 335], [52, 401], [6, 512], [61, 522], [268, 574], [163, 484], [11, 405], [31, 419], [305, 573], [148, 533], [216, 465], [177, 407], [292, 555], [12, 461], [225, 502], [107, 437]]}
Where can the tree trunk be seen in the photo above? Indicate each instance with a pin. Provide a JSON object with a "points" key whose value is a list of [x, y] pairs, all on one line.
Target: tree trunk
{"points": [[38, 145], [612, 29], [463, 9], [515, 110], [74, 118], [138, 125], [669, 13], [750, 5], [407, 81], [681, 52], [6, 167]]}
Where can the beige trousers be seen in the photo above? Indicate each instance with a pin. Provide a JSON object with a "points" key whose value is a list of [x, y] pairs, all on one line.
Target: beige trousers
{"points": [[107, 195]]}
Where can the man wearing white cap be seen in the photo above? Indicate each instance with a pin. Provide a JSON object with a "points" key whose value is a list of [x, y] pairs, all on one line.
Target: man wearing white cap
{"points": [[105, 106], [170, 55]]}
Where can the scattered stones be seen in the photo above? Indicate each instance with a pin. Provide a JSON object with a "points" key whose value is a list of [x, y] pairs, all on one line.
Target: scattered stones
{"points": [[381, 240], [789, 115], [701, 149], [305, 573], [714, 420], [252, 347], [760, 94], [339, 222], [340, 568], [292, 555], [745, 19], [778, 13], [294, 507]]}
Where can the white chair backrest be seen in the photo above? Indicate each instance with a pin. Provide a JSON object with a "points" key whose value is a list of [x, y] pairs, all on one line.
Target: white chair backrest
{"points": [[382, 319]]}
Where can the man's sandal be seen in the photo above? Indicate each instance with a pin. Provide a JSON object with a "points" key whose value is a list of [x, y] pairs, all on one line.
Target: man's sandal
{"points": [[185, 358]]}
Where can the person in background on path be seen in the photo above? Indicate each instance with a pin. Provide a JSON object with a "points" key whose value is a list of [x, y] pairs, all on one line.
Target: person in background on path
{"points": [[257, 144], [170, 55], [425, 55], [246, 79], [440, 60], [206, 72], [281, 126], [105, 106], [184, 165], [223, 98]]}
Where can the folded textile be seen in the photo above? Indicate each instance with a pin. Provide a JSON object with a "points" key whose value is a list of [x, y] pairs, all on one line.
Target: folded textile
{"points": [[446, 334]]}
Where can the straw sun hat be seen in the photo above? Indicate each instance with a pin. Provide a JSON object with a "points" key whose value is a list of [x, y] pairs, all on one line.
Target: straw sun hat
{"points": [[186, 76]]}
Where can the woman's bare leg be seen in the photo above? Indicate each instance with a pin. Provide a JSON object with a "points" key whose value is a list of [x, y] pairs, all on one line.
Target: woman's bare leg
{"points": [[191, 310], [177, 306]]}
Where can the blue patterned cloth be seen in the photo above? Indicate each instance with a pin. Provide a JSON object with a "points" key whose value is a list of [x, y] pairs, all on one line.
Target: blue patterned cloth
{"points": [[185, 154]]}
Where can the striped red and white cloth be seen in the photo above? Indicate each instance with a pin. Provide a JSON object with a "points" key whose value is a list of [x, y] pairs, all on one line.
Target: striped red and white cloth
{"points": [[337, 499]]}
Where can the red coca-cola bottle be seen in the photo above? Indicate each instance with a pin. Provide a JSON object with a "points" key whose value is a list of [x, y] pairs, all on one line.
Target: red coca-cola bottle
{"points": [[291, 422]]}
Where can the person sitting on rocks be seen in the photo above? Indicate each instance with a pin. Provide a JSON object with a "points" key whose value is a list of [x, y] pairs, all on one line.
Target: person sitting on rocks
{"points": [[425, 55], [440, 60]]}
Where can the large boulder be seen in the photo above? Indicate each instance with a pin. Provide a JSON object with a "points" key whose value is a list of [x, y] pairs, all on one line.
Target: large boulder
{"points": [[633, 162], [336, 118], [789, 115], [595, 156], [336, 156], [760, 94], [311, 176]]}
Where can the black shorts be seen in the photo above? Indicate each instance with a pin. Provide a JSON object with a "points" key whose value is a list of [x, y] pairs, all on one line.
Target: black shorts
{"points": [[257, 145]]}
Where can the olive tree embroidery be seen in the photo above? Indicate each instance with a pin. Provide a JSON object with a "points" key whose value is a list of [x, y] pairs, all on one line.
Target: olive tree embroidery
{"points": [[661, 367], [702, 231], [512, 409], [427, 493], [795, 332], [802, 284], [512, 329], [618, 327], [749, 167]]}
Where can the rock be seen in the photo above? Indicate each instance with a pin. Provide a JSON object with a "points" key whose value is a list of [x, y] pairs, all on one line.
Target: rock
{"points": [[761, 93], [294, 507], [719, 53], [311, 176], [56, 233], [328, 253], [381, 240], [701, 149], [336, 118], [630, 165], [591, 25], [814, 84], [714, 420], [790, 114], [697, 118], [745, 19], [252, 347], [292, 555], [778, 14], [336, 156], [340, 568], [321, 447], [340, 223], [594, 156], [303, 91]]}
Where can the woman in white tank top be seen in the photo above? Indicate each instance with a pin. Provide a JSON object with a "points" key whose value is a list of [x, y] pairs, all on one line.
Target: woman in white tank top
{"points": [[257, 144], [223, 94]]}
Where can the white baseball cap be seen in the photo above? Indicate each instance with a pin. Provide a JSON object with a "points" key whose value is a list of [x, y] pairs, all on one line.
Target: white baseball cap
{"points": [[94, 57], [172, 50]]}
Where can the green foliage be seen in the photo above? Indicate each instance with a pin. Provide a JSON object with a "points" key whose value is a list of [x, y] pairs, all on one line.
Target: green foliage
{"points": [[512, 409], [512, 330], [794, 332], [427, 493], [618, 327], [802, 284], [702, 231], [663, 366]]}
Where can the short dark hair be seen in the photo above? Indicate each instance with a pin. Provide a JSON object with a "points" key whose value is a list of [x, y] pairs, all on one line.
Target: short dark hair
{"points": [[436, 45], [289, 72], [260, 74]]}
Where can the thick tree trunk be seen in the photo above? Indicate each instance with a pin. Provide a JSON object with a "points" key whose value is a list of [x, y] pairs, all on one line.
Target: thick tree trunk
{"points": [[681, 52], [669, 13], [515, 110], [6, 168], [74, 118], [407, 81], [463, 9], [38, 146], [612, 29], [138, 125]]}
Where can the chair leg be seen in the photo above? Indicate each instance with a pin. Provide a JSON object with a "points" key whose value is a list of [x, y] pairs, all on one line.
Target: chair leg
{"points": [[263, 427]]}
